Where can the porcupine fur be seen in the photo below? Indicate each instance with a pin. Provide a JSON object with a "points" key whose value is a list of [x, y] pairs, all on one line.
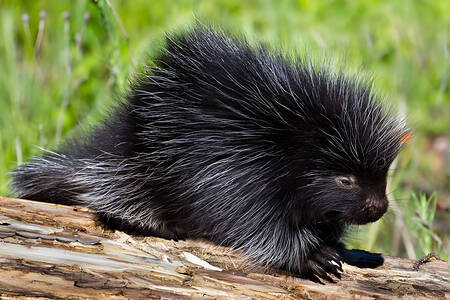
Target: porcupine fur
{"points": [[255, 151]]}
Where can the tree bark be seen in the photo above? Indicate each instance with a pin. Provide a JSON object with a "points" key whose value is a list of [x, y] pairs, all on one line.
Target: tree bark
{"points": [[55, 251]]}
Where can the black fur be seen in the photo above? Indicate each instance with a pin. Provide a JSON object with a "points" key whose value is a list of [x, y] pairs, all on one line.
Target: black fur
{"points": [[252, 150]]}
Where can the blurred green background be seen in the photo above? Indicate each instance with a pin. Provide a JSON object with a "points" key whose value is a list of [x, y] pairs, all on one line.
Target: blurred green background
{"points": [[64, 62]]}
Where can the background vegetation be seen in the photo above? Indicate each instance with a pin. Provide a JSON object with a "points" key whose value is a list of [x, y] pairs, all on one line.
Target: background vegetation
{"points": [[62, 63]]}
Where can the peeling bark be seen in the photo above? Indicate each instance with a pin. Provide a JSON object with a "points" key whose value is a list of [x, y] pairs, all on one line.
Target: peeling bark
{"points": [[55, 251]]}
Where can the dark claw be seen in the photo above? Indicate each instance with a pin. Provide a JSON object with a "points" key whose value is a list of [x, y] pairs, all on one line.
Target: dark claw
{"points": [[328, 278], [314, 278], [335, 272], [339, 266], [318, 270], [336, 257]]}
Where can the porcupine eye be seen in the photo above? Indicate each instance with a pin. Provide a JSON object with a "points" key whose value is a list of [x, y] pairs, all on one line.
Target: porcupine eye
{"points": [[345, 182]]}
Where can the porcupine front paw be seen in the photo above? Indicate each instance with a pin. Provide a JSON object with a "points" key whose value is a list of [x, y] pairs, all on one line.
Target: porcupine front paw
{"points": [[324, 261]]}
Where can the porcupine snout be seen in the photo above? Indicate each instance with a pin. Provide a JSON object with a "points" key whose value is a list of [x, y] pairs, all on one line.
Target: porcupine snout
{"points": [[376, 206]]}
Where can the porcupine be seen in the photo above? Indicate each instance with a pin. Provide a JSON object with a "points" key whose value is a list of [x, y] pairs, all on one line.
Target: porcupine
{"points": [[266, 154]]}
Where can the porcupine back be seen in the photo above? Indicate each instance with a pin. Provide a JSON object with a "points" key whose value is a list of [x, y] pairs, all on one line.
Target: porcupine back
{"points": [[220, 138]]}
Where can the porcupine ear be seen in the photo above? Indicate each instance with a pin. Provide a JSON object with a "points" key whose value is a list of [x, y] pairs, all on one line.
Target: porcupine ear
{"points": [[407, 136]]}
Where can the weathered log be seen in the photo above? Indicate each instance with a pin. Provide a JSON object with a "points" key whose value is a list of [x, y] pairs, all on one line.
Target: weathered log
{"points": [[56, 251]]}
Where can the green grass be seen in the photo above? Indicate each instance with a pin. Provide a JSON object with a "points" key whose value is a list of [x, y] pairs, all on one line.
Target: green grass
{"points": [[51, 86]]}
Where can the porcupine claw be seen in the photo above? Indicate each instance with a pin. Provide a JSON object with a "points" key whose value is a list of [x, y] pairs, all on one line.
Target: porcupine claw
{"points": [[325, 261]]}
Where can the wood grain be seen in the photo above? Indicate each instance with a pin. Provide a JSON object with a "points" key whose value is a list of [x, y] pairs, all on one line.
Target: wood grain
{"points": [[50, 251]]}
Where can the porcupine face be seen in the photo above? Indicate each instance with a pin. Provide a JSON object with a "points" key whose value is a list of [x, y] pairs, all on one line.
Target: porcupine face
{"points": [[359, 164], [343, 167], [348, 198], [366, 197]]}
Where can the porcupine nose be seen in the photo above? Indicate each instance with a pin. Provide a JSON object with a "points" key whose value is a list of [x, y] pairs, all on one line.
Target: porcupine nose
{"points": [[376, 206]]}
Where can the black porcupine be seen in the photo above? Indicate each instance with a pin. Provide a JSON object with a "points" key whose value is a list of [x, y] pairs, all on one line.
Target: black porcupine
{"points": [[255, 151]]}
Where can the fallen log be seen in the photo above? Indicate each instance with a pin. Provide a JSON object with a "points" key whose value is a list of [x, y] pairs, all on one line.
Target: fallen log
{"points": [[56, 251]]}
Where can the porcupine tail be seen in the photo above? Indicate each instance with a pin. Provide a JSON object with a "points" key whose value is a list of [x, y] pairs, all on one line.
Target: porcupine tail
{"points": [[83, 170]]}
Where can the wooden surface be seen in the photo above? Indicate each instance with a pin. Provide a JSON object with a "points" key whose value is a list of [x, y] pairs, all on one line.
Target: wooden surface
{"points": [[54, 251]]}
